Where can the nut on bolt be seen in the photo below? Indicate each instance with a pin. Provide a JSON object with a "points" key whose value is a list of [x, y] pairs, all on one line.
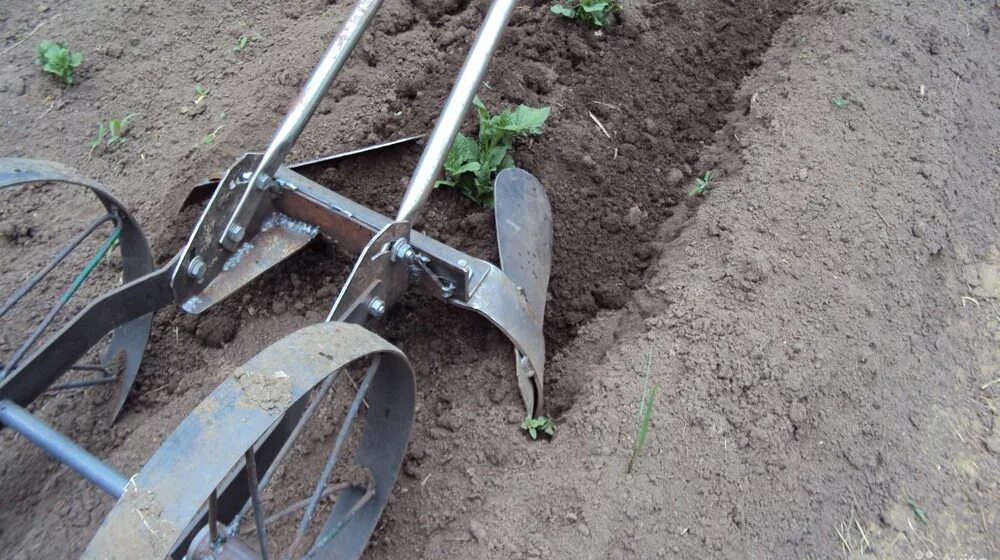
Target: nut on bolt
{"points": [[197, 268], [402, 251], [376, 307]]}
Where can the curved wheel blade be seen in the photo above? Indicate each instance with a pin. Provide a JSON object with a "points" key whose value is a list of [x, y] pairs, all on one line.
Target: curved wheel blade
{"points": [[524, 236]]}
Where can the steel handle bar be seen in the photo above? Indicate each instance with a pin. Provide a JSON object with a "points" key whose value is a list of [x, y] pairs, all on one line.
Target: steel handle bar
{"points": [[455, 108], [312, 93]]}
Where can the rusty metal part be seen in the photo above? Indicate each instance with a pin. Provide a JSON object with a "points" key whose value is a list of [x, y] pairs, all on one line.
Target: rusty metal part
{"points": [[203, 190], [164, 505], [279, 238], [202, 258], [129, 338], [444, 272], [336, 55], [377, 281]]}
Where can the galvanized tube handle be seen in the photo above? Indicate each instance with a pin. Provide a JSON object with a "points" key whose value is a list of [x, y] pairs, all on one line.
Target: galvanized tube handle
{"points": [[319, 82], [454, 110]]}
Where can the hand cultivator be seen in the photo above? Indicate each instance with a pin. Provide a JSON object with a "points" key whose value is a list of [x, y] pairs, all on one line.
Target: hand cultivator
{"points": [[215, 487]]}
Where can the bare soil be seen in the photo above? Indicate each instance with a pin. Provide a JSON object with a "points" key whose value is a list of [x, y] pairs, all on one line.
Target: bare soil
{"points": [[823, 328]]}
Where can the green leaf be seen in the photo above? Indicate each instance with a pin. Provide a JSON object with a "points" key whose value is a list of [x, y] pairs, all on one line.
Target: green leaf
{"points": [[100, 137], [596, 7], [840, 102], [533, 432], [561, 10], [526, 119], [76, 59]]}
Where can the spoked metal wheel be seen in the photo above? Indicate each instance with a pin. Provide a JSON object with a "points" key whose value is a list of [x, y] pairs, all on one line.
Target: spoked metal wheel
{"points": [[259, 469], [83, 250]]}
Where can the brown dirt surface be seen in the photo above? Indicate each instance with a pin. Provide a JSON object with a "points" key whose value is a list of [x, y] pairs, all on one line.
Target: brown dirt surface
{"points": [[823, 327]]}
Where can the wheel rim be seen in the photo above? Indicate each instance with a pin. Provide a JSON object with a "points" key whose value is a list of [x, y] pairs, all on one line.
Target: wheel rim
{"points": [[167, 503]]}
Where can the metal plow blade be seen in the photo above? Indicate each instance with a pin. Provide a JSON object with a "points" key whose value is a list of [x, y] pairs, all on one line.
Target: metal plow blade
{"points": [[524, 235]]}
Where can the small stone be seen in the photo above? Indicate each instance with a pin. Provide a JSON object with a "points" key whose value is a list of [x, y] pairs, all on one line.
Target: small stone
{"points": [[588, 161], [674, 177], [114, 51], [571, 517], [803, 174], [918, 229], [635, 216], [478, 531], [584, 530], [278, 307], [42, 8]]}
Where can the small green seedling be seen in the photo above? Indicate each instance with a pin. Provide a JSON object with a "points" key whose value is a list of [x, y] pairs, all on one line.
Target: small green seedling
{"points": [[542, 424], [200, 92], [209, 139], [702, 184], [645, 412], [595, 13], [471, 166], [113, 133], [917, 511], [242, 44], [56, 59], [840, 102]]}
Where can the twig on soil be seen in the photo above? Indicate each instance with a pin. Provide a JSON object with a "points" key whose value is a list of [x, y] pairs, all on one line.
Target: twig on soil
{"points": [[843, 540], [990, 383], [608, 105], [884, 221], [599, 125], [28, 36]]}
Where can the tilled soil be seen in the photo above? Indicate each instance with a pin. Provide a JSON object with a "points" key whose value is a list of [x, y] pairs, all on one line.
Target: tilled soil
{"points": [[781, 428]]}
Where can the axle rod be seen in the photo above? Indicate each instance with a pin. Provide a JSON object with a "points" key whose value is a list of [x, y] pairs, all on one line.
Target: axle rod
{"points": [[64, 450]]}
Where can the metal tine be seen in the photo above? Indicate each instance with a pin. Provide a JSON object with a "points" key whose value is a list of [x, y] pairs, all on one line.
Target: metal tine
{"points": [[63, 300], [58, 258], [258, 509], [332, 460], [455, 109]]}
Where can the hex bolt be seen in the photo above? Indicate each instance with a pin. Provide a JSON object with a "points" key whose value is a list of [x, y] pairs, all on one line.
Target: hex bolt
{"points": [[236, 233], [197, 268], [376, 307], [402, 251]]}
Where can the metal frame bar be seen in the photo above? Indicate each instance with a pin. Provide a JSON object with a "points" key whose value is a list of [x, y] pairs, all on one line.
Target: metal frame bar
{"points": [[62, 449]]}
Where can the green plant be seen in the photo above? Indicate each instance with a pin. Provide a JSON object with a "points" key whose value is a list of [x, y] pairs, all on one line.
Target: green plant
{"points": [[702, 184], [534, 425], [242, 44], [840, 102], [595, 13], [209, 139], [645, 412], [471, 166], [114, 132], [200, 92], [56, 59]]}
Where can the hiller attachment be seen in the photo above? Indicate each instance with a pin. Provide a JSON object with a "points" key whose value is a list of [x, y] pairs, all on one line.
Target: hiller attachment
{"points": [[224, 461]]}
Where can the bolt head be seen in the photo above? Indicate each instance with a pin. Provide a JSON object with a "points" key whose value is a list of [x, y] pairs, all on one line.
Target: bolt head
{"points": [[376, 307], [197, 268], [236, 233]]}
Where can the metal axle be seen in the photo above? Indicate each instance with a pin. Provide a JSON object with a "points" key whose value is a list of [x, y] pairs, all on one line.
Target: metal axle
{"points": [[64, 450]]}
